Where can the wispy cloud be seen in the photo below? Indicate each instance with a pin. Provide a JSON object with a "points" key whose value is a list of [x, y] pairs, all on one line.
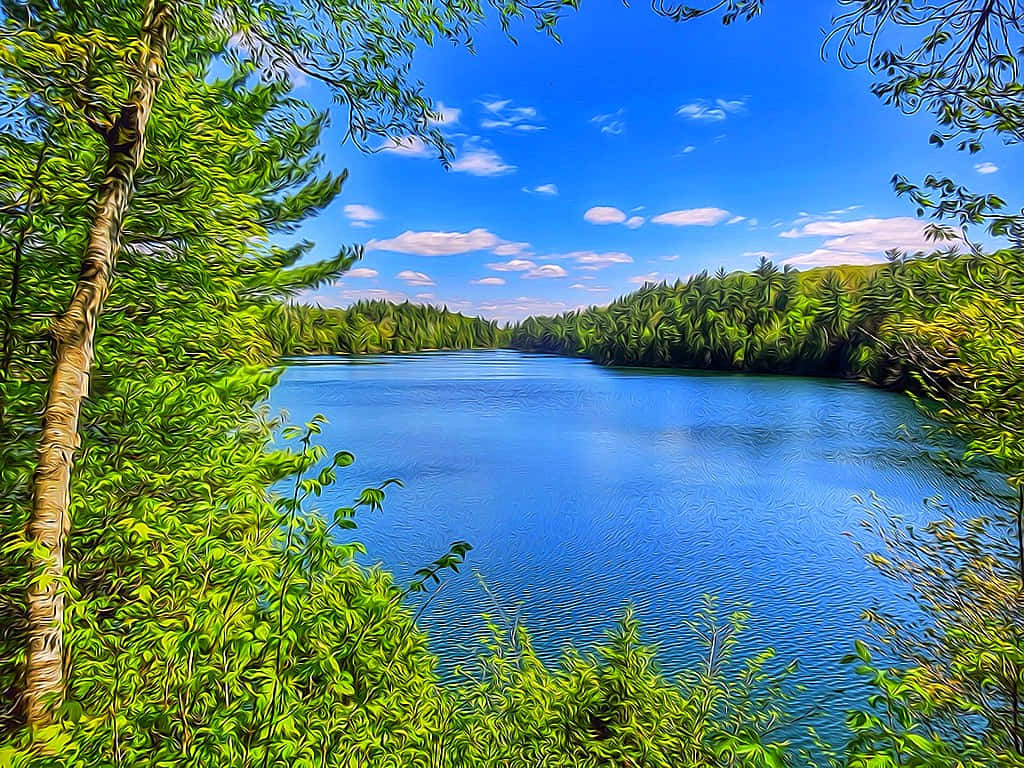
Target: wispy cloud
{"points": [[804, 217], [702, 217], [362, 272], [407, 146], [711, 111], [613, 123], [521, 307], [488, 281], [343, 296], [475, 156], [361, 215], [736, 219], [542, 189], [545, 271], [503, 114], [650, 277], [480, 160], [986, 168], [588, 288], [593, 260], [843, 211], [411, 277], [635, 222], [443, 115], [829, 257], [513, 265]]}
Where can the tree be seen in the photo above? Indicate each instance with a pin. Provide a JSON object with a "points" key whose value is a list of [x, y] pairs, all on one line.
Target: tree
{"points": [[104, 66], [217, 171]]}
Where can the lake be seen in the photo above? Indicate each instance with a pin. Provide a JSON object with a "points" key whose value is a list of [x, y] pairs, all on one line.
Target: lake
{"points": [[584, 488]]}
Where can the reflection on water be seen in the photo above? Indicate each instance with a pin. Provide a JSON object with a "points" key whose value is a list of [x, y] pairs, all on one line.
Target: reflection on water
{"points": [[583, 488]]}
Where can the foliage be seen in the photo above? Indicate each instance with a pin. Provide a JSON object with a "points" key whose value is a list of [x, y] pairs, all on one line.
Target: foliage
{"points": [[73, 63], [960, 675], [615, 707], [376, 327], [841, 321]]}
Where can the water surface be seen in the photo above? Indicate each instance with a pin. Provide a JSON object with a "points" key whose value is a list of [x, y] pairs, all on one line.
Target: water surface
{"points": [[584, 488]]}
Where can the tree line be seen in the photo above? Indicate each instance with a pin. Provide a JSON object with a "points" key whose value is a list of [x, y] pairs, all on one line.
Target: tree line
{"points": [[375, 327]]}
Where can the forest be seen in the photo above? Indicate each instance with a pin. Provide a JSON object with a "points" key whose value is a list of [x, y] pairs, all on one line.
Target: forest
{"points": [[375, 327], [163, 602]]}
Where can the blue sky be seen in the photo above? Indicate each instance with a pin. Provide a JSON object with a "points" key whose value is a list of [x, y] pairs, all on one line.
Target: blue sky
{"points": [[636, 150]]}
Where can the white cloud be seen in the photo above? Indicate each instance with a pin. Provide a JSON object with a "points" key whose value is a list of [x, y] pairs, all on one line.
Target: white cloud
{"points": [[589, 288], [513, 265], [438, 243], [443, 115], [863, 241], [671, 257], [362, 272], [704, 217], [412, 277], [688, 149], [334, 295], [826, 257], [806, 218], [349, 295], [986, 168], [502, 114], [495, 105], [545, 271], [542, 189], [361, 215], [736, 219], [847, 209], [612, 123], [481, 161], [650, 277], [407, 146], [760, 255], [713, 112], [593, 260], [489, 281], [521, 307], [511, 249], [604, 214]]}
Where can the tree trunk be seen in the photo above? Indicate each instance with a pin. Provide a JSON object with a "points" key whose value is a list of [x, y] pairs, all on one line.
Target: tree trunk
{"points": [[74, 333]]}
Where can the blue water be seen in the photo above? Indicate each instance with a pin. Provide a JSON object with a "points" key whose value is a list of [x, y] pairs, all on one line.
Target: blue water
{"points": [[583, 488]]}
